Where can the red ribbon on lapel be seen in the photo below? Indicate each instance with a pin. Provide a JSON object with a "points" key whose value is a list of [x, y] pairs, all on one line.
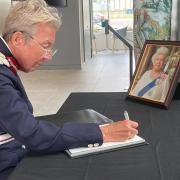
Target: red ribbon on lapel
{"points": [[14, 66]]}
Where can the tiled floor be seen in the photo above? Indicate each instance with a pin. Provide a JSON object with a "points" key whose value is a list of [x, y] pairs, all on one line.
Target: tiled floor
{"points": [[48, 89]]}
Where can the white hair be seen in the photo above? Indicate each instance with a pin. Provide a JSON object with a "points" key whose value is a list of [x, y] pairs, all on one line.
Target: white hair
{"points": [[161, 50], [26, 14]]}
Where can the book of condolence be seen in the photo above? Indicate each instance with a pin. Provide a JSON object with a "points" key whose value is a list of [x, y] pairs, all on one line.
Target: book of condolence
{"points": [[90, 116], [105, 147]]}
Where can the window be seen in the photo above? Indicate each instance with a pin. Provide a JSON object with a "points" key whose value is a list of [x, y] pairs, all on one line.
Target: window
{"points": [[119, 13]]}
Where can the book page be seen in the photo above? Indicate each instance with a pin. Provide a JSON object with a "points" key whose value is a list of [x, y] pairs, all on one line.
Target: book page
{"points": [[104, 146]]}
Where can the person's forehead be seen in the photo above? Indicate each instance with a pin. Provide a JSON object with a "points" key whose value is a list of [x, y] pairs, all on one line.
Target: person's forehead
{"points": [[44, 28], [45, 31]]}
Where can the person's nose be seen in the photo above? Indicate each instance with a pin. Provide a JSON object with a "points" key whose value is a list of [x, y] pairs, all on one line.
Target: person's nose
{"points": [[158, 62]]}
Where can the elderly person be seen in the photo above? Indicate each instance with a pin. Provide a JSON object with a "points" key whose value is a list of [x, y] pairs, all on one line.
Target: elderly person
{"points": [[154, 83], [28, 38]]}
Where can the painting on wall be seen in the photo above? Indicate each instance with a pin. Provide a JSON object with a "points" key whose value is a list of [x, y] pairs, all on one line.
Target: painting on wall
{"points": [[152, 21]]}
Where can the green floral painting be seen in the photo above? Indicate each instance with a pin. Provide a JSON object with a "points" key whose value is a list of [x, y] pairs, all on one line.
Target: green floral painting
{"points": [[152, 20]]}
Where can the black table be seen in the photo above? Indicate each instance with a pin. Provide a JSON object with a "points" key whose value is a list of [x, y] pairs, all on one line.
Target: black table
{"points": [[160, 160]]}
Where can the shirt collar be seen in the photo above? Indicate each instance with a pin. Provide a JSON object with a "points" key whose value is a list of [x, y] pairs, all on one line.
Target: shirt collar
{"points": [[4, 49]]}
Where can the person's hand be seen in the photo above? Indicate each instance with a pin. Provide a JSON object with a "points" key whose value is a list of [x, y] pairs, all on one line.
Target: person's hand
{"points": [[119, 131]]}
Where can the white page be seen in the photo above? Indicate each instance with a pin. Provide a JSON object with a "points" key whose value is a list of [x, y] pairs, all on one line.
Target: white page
{"points": [[105, 146]]}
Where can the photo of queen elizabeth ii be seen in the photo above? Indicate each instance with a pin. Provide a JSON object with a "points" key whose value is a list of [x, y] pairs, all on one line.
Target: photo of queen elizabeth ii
{"points": [[154, 83], [157, 72]]}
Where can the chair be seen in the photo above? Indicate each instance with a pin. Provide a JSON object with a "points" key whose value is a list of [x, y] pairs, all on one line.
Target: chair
{"points": [[122, 32]]}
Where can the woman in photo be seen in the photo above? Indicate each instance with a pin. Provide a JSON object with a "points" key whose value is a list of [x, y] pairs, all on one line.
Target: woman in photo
{"points": [[154, 83]]}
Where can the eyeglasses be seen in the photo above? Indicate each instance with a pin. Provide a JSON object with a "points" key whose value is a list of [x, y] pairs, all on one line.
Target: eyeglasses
{"points": [[47, 51]]}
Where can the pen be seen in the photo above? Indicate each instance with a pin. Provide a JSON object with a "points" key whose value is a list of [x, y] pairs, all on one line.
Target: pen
{"points": [[126, 115]]}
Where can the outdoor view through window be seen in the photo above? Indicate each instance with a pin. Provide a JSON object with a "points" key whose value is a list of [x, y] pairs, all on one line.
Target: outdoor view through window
{"points": [[120, 15]]}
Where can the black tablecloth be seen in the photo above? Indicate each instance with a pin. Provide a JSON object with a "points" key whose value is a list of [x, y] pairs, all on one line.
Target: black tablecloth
{"points": [[160, 160]]}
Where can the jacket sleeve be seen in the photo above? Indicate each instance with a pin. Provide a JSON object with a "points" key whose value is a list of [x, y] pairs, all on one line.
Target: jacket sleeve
{"points": [[40, 136]]}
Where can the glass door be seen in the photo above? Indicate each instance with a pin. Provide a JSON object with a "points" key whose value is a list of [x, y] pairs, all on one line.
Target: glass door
{"points": [[99, 13]]}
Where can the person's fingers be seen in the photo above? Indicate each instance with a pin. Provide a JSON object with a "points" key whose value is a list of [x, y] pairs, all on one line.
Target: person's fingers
{"points": [[123, 135], [128, 122], [125, 125], [132, 123], [115, 137], [134, 132], [128, 133], [119, 131]]}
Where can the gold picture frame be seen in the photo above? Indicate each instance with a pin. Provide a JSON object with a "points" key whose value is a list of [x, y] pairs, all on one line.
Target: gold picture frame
{"points": [[156, 74]]}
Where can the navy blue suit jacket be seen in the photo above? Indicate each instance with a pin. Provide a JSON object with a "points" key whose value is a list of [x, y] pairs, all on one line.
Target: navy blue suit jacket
{"points": [[16, 118]]}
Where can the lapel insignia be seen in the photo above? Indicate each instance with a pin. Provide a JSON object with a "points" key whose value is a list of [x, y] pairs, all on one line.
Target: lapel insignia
{"points": [[3, 60]]}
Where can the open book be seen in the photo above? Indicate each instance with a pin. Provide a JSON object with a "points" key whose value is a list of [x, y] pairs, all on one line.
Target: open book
{"points": [[109, 146]]}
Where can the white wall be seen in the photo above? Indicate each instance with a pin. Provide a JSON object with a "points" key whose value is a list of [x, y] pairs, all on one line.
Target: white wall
{"points": [[4, 8]]}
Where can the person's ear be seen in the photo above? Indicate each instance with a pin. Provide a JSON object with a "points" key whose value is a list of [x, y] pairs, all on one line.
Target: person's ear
{"points": [[17, 39]]}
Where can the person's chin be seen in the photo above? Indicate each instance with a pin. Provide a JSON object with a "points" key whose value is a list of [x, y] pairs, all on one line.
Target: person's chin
{"points": [[157, 68], [35, 67], [31, 69]]}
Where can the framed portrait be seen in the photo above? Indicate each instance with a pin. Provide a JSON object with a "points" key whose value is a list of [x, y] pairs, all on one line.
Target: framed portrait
{"points": [[156, 73]]}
